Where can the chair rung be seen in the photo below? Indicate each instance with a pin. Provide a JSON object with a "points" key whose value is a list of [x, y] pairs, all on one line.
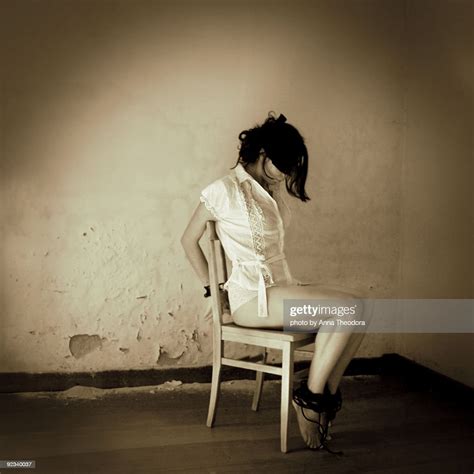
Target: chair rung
{"points": [[268, 369]]}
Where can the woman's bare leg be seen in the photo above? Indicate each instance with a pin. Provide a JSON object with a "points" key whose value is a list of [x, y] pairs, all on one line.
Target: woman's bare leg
{"points": [[347, 355], [330, 357]]}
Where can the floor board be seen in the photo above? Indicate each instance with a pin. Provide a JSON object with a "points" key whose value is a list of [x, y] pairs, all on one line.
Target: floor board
{"points": [[384, 426]]}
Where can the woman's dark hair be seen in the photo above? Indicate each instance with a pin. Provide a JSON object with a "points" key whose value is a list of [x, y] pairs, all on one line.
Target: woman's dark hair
{"points": [[283, 145]]}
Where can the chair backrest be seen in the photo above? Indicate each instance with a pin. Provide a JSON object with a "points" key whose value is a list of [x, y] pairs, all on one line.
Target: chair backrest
{"points": [[217, 272]]}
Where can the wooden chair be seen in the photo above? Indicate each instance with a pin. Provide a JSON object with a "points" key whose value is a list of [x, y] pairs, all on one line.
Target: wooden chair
{"points": [[287, 342]]}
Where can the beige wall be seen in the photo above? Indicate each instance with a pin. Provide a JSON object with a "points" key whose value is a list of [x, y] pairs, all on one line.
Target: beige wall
{"points": [[114, 115], [436, 220]]}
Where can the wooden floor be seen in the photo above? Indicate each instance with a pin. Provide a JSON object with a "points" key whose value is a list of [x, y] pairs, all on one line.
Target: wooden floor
{"points": [[383, 427]]}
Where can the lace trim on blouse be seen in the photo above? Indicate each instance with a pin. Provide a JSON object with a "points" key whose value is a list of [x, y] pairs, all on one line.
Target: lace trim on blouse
{"points": [[256, 219]]}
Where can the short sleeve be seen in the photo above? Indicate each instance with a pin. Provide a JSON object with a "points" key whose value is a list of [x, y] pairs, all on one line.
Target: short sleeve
{"points": [[215, 198]]}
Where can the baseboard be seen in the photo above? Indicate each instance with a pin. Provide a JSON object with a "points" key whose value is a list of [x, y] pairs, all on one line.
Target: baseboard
{"points": [[416, 376]]}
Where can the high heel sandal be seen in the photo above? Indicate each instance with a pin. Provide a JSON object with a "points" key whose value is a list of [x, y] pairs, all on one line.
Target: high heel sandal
{"points": [[320, 403]]}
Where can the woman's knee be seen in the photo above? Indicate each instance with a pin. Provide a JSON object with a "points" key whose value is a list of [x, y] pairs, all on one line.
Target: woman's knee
{"points": [[351, 300]]}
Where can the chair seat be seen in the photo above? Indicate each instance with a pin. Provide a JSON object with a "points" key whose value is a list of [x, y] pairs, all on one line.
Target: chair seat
{"points": [[275, 334]]}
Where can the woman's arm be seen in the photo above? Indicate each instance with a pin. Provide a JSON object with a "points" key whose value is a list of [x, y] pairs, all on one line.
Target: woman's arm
{"points": [[190, 242]]}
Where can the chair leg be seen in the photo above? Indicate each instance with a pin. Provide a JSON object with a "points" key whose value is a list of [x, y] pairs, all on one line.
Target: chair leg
{"points": [[286, 392], [259, 384], [215, 384]]}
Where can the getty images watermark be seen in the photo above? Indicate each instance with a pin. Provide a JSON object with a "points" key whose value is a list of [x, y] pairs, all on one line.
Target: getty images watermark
{"points": [[379, 315]]}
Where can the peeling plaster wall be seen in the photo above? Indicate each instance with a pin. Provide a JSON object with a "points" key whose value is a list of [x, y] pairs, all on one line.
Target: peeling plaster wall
{"points": [[114, 115]]}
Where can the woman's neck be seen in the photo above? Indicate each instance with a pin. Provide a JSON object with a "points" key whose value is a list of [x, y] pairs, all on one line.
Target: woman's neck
{"points": [[253, 171]]}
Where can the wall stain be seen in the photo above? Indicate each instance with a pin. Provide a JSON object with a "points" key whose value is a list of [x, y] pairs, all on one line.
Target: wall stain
{"points": [[169, 358], [83, 344]]}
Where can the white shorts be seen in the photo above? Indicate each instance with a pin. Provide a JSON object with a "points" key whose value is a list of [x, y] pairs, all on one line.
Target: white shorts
{"points": [[239, 296]]}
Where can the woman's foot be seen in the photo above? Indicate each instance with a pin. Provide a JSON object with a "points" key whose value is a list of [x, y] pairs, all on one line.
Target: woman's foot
{"points": [[313, 422], [311, 431]]}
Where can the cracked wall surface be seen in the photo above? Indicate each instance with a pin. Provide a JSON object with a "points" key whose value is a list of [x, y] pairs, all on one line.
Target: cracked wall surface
{"points": [[110, 128]]}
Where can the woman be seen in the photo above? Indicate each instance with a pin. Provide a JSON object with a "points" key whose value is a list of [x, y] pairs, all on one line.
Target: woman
{"points": [[250, 217]]}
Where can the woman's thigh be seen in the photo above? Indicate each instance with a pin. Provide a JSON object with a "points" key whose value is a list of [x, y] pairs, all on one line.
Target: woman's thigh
{"points": [[246, 315]]}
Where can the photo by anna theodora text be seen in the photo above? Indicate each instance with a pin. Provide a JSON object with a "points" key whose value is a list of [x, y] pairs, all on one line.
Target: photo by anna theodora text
{"points": [[313, 311]]}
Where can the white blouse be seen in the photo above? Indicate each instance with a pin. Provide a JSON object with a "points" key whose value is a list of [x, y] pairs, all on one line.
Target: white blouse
{"points": [[250, 226]]}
